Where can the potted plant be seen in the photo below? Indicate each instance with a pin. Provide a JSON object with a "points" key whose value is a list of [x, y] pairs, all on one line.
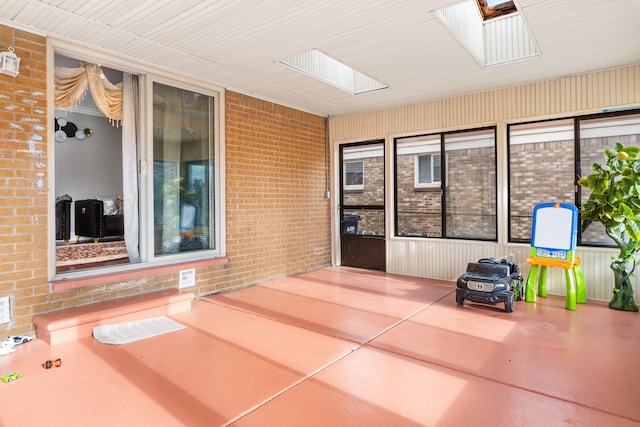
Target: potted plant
{"points": [[615, 202]]}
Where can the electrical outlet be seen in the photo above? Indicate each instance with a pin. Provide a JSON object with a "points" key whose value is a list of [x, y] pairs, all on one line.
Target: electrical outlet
{"points": [[187, 278], [5, 310]]}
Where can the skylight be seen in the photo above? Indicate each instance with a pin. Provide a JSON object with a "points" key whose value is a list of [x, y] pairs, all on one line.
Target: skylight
{"points": [[490, 41], [323, 67], [493, 8]]}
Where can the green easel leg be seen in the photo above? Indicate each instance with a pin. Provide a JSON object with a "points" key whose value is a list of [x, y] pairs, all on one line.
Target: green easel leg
{"points": [[530, 291], [581, 289], [542, 282], [570, 300]]}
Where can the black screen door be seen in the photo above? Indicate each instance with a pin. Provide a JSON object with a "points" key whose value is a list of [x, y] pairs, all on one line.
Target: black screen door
{"points": [[362, 194]]}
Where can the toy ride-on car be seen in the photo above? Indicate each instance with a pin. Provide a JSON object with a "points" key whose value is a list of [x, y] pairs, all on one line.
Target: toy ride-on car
{"points": [[490, 281]]}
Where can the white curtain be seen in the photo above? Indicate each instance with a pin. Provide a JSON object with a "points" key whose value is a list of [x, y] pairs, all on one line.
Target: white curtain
{"points": [[130, 181]]}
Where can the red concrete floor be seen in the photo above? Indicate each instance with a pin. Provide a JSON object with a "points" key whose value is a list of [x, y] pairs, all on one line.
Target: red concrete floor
{"points": [[343, 347]]}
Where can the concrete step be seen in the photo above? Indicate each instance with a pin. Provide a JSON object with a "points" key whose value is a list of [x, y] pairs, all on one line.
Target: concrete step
{"points": [[77, 322]]}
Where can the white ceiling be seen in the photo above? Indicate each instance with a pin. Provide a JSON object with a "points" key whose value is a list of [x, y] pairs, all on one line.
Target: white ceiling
{"points": [[236, 43]]}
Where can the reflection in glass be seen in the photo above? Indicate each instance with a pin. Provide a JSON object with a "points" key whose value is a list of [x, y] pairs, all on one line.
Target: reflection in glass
{"points": [[597, 135], [182, 167], [418, 186], [541, 169], [363, 189], [471, 183]]}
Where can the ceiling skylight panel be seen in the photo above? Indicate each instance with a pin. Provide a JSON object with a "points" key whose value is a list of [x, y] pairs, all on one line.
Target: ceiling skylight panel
{"points": [[323, 67], [493, 41]]}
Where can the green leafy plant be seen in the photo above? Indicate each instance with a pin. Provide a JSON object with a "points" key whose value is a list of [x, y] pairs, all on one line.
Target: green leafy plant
{"points": [[615, 203]]}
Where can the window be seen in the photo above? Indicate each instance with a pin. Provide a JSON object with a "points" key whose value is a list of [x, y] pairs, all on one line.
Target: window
{"points": [[320, 66], [470, 192], [354, 175], [363, 204], [183, 150], [541, 159], [160, 164], [427, 170], [453, 199], [595, 135], [547, 157], [489, 41]]}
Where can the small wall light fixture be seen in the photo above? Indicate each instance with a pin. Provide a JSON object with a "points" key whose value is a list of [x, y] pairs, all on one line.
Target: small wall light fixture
{"points": [[9, 63]]}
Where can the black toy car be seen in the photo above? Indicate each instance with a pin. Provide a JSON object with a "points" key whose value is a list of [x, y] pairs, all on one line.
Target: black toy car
{"points": [[490, 281]]}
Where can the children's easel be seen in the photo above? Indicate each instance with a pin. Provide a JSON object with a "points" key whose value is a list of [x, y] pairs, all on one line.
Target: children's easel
{"points": [[554, 235]]}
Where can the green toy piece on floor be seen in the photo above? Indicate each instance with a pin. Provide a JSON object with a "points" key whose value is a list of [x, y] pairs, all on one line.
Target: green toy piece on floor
{"points": [[11, 377]]}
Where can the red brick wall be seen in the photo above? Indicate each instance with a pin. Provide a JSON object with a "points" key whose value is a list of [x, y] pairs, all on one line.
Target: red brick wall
{"points": [[277, 221]]}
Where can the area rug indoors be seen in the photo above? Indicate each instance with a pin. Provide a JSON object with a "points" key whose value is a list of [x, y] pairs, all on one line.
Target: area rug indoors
{"points": [[86, 253], [126, 332]]}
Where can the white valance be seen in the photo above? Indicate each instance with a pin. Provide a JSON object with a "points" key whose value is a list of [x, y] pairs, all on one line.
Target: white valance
{"points": [[71, 85]]}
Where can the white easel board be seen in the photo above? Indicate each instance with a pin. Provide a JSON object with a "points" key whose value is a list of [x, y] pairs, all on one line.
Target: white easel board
{"points": [[555, 226]]}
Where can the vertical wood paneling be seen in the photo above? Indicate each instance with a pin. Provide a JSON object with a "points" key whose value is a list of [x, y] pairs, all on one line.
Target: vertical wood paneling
{"points": [[564, 96], [568, 95], [507, 39], [446, 260]]}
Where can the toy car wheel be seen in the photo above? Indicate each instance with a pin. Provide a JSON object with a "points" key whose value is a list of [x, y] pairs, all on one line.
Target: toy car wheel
{"points": [[508, 304], [459, 300]]}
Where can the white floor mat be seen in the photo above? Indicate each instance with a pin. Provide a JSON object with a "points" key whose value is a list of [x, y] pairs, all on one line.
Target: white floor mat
{"points": [[123, 333]]}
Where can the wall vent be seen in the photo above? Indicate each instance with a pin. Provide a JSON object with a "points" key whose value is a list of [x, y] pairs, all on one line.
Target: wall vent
{"points": [[5, 310]]}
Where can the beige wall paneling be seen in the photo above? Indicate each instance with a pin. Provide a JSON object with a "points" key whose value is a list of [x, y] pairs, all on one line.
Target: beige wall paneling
{"points": [[564, 97]]}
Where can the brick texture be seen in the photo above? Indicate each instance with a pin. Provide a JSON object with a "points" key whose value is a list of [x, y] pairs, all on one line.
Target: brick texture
{"points": [[372, 221], [278, 217], [539, 173], [23, 173], [470, 195]]}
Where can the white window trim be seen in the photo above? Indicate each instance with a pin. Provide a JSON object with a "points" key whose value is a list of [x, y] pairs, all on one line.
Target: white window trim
{"points": [[416, 172], [344, 175], [147, 74], [146, 181]]}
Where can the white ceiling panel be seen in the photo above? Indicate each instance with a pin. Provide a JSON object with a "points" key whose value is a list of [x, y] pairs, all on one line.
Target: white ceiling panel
{"points": [[236, 43]]}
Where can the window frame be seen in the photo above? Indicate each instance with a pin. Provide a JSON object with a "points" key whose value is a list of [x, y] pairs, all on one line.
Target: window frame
{"points": [[147, 75], [353, 187], [444, 181], [510, 238], [432, 162], [147, 157], [577, 173]]}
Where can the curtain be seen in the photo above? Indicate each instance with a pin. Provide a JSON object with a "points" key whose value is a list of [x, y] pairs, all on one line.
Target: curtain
{"points": [[71, 85], [130, 181]]}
